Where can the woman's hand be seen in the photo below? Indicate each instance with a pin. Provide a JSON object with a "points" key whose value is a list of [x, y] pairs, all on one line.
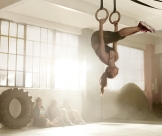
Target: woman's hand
{"points": [[115, 23], [112, 54], [102, 21]]}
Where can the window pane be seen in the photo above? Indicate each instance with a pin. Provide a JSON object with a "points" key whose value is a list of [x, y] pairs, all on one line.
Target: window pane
{"points": [[42, 80], [72, 40], [3, 77], [48, 81], [58, 73], [12, 62], [43, 49], [58, 51], [20, 63], [19, 79], [49, 51], [28, 80], [3, 60], [13, 29], [64, 39], [20, 31], [76, 82], [4, 27], [33, 33], [20, 47], [43, 35], [72, 52], [49, 66], [4, 44], [36, 64], [58, 38], [36, 80], [12, 45], [29, 48], [43, 65], [11, 78], [29, 64], [64, 51], [50, 36], [36, 49]]}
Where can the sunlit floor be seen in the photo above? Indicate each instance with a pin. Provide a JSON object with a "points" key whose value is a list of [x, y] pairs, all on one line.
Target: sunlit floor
{"points": [[95, 129]]}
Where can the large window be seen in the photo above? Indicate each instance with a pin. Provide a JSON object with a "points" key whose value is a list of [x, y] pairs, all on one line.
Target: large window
{"points": [[66, 63], [37, 57], [11, 54], [131, 68]]}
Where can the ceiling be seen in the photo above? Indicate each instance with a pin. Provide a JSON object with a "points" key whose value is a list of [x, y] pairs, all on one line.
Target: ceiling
{"points": [[80, 13]]}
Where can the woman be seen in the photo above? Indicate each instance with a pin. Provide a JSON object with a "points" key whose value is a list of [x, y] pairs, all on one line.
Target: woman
{"points": [[108, 55], [40, 116], [61, 114], [74, 115]]}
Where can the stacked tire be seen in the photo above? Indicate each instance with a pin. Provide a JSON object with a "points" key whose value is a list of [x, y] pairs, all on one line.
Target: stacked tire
{"points": [[26, 108]]}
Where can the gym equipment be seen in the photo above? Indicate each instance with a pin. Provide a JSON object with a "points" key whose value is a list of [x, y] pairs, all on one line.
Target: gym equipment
{"points": [[102, 8], [115, 11], [26, 108]]}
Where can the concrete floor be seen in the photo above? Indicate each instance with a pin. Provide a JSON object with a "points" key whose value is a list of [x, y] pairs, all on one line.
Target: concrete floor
{"points": [[95, 129]]}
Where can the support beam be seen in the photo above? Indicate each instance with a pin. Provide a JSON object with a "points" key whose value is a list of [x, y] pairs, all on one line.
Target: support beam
{"points": [[6, 3]]}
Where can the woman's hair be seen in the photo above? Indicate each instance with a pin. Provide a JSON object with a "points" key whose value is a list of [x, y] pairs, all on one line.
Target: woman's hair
{"points": [[38, 99], [103, 80]]}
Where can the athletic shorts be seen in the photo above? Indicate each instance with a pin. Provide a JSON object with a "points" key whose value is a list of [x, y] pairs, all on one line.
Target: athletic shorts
{"points": [[109, 37]]}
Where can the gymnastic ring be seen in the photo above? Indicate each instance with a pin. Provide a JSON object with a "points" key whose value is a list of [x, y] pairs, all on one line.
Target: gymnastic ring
{"points": [[113, 22], [107, 14]]}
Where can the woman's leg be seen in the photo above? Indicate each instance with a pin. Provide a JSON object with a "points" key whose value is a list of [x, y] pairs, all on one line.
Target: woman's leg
{"points": [[78, 115], [62, 117], [50, 124], [56, 122], [66, 117], [142, 26], [129, 31]]}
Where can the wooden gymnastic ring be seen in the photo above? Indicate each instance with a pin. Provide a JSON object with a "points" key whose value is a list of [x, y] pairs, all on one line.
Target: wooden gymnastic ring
{"points": [[107, 14], [113, 22]]}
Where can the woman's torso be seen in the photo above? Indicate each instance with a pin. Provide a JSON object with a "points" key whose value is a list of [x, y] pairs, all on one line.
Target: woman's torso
{"points": [[42, 113], [95, 43]]}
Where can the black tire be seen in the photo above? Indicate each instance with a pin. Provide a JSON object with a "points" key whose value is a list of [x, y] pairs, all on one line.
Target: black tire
{"points": [[26, 108]]}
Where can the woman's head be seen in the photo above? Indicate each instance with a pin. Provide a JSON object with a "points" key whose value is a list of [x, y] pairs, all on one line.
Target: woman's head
{"points": [[111, 72], [38, 102], [54, 102], [103, 82], [66, 101]]}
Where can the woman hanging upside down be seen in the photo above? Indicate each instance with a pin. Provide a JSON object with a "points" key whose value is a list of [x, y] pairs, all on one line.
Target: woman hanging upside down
{"points": [[108, 55]]}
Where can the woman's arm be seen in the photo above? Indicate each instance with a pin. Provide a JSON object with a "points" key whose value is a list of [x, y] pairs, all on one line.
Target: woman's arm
{"points": [[104, 57], [101, 32], [115, 43], [36, 114]]}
